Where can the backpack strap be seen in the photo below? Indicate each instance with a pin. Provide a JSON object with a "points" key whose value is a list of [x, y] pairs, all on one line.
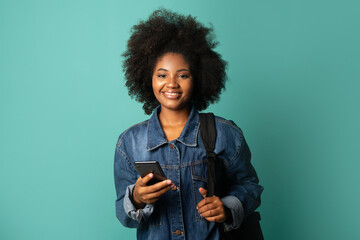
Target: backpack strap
{"points": [[250, 229], [208, 136]]}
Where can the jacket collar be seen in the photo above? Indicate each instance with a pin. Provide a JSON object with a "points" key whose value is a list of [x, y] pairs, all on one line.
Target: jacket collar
{"points": [[188, 136]]}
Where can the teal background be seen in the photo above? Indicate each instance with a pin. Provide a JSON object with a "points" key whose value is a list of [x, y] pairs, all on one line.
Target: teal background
{"points": [[293, 88]]}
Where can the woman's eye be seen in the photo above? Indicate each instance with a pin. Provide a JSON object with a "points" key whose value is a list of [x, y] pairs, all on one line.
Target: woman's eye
{"points": [[183, 76], [161, 76]]}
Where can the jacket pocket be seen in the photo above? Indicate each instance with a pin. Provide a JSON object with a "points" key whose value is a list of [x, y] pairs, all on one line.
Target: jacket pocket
{"points": [[199, 180]]}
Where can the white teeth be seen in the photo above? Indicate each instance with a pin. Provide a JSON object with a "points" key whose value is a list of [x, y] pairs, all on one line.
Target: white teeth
{"points": [[172, 94]]}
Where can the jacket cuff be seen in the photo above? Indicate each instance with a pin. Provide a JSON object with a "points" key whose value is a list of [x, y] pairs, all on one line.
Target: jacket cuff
{"points": [[237, 212], [131, 211]]}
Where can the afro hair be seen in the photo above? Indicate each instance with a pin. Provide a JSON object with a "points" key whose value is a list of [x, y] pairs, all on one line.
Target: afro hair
{"points": [[164, 32]]}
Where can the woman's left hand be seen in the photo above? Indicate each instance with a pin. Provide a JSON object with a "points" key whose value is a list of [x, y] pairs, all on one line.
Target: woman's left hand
{"points": [[211, 208]]}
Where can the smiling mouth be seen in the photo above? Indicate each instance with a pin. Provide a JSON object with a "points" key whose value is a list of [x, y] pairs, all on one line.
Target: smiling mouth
{"points": [[172, 95]]}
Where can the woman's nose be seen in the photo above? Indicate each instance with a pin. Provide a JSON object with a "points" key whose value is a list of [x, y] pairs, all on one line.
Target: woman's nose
{"points": [[172, 82]]}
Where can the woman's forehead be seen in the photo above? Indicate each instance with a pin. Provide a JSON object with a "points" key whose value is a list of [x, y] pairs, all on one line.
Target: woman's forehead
{"points": [[171, 61]]}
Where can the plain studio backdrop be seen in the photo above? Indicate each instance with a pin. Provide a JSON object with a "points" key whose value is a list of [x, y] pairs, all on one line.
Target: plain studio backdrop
{"points": [[293, 88]]}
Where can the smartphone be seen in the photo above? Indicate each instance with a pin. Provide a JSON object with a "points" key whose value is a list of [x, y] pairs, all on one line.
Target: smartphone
{"points": [[144, 168]]}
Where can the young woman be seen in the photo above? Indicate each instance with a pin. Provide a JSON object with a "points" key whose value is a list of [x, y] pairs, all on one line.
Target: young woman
{"points": [[171, 67]]}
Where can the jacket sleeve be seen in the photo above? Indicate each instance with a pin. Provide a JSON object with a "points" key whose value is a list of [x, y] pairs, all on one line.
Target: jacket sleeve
{"points": [[125, 179], [243, 196]]}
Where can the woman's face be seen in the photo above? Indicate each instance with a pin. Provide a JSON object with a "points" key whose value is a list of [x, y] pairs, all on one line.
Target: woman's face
{"points": [[172, 82]]}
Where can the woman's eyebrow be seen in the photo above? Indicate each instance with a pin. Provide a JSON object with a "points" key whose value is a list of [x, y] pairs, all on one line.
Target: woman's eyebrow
{"points": [[184, 69], [162, 69]]}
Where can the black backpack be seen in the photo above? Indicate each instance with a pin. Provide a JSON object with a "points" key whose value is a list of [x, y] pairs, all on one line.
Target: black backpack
{"points": [[250, 228]]}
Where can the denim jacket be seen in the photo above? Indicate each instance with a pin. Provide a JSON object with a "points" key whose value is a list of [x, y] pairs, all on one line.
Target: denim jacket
{"points": [[174, 215]]}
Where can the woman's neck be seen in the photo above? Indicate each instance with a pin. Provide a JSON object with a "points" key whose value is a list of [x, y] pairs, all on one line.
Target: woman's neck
{"points": [[173, 122]]}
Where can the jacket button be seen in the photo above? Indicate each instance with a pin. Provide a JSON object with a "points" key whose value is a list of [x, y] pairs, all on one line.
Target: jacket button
{"points": [[178, 232], [171, 146]]}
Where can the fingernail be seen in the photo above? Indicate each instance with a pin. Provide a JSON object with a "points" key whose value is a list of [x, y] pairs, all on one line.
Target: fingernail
{"points": [[168, 182], [197, 207], [151, 175]]}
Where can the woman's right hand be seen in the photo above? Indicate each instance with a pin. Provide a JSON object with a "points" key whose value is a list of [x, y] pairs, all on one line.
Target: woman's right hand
{"points": [[144, 194]]}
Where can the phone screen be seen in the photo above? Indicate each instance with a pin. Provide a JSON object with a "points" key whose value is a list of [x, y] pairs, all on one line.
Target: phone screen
{"points": [[146, 167]]}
